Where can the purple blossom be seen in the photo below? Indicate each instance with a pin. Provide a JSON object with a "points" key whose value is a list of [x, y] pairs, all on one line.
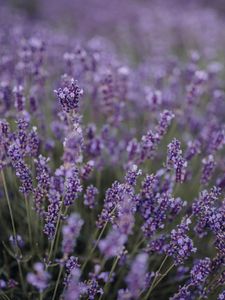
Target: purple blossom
{"points": [[17, 241], [180, 246], [193, 148], [136, 278], [43, 182], [166, 118], [19, 98], [113, 244], [221, 296], [70, 264], [40, 278], [200, 271], [90, 196], [69, 95], [75, 288], [175, 160], [72, 186], [71, 231], [207, 169]]}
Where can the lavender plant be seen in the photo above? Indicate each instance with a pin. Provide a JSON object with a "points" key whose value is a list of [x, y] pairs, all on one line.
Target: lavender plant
{"points": [[112, 140]]}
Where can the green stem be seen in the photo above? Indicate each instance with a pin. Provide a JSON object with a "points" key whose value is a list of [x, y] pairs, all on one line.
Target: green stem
{"points": [[9, 206], [105, 288], [93, 249], [57, 282], [58, 235], [164, 275], [4, 296], [13, 228], [154, 280], [29, 221]]}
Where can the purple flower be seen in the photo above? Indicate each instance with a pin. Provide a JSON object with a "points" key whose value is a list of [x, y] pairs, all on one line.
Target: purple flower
{"points": [[71, 232], [132, 174], [75, 288], [113, 199], [136, 277], [207, 169], [200, 271], [113, 244], [40, 278], [54, 198], [180, 246], [90, 196], [166, 118], [221, 296], [17, 241], [43, 182], [70, 264], [183, 294], [3, 284], [19, 98], [87, 169], [193, 148], [69, 95], [175, 160], [72, 186]]}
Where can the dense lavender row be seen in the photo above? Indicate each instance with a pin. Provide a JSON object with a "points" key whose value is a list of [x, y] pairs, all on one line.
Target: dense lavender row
{"points": [[112, 152]]}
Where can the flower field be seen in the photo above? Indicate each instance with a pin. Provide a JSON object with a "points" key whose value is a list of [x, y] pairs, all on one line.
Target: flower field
{"points": [[112, 147]]}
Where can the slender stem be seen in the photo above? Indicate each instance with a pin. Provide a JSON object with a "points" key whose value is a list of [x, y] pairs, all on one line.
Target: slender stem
{"points": [[9, 206], [93, 249], [110, 275], [13, 228], [41, 296], [21, 276], [4, 296], [154, 280], [57, 282], [164, 275], [29, 221], [58, 235]]}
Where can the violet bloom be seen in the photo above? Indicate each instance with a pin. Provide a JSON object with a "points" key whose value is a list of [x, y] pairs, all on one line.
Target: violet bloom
{"points": [[201, 271], [69, 95], [175, 160], [132, 174], [19, 98], [183, 294], [17, 241], [75, 288], [166, 118], [180, 246], [207, 169], [113, 244], [3, 284], [54, 198], [87, 169], [72, 186], [70, 264], [43, 182], [164, 207], [205, 211], [90, 196], [193, 148], [71, 232], [39, 279], [221, 296], [136, 277], [22, 171]]}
